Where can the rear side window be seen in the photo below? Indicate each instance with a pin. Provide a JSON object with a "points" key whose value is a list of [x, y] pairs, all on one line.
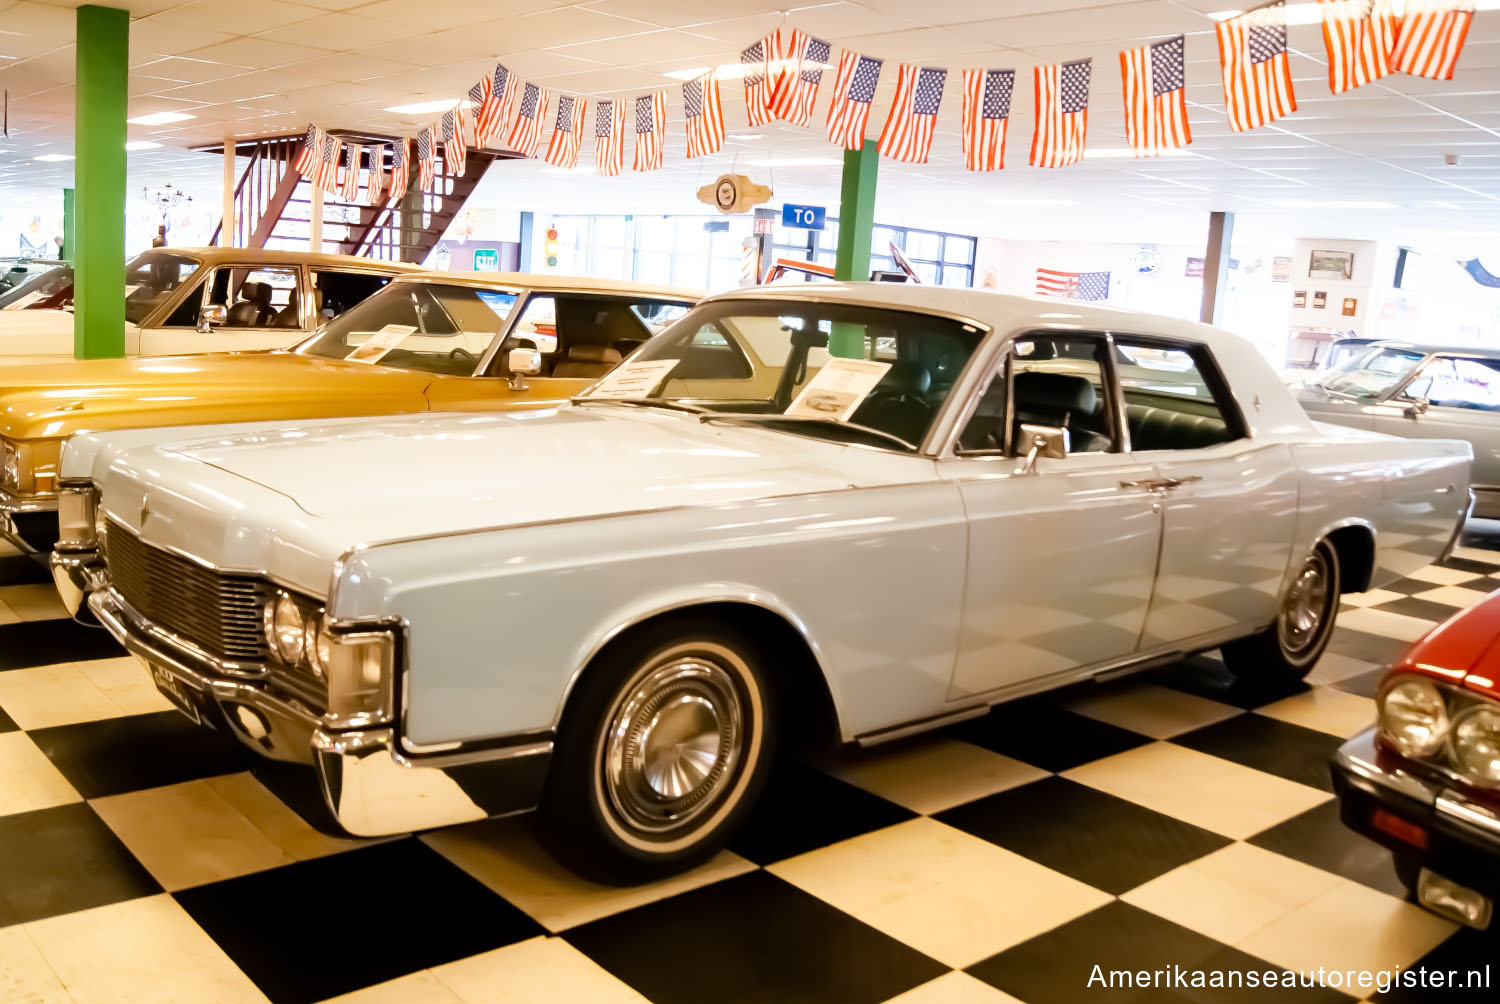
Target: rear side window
{"points": [[1459, 383], [1174, 397]]}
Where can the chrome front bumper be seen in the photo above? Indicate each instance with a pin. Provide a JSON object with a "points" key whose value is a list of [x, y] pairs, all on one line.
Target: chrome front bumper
{"points": [[77, 575], [372, 787], [27, 522]]}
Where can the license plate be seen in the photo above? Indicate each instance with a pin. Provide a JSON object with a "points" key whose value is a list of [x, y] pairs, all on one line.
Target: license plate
{"points": [[183, 697]]}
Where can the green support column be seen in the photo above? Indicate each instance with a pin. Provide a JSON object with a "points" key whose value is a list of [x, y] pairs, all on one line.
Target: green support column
{"points": [[856, 228], [70, 238], [99, 173]]}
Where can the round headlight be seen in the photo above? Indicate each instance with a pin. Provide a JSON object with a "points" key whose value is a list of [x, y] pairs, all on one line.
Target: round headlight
{"points": [[319, 646], [1475, 744], [1414, 718], [288, 630]]}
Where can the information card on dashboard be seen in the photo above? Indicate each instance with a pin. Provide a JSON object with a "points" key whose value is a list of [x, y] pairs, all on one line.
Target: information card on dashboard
{"points": [[637, 379], [374, 348], [838, 389]]}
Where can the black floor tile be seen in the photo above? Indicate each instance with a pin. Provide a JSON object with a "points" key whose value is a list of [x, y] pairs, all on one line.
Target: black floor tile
{"points": [[1317, 837], [1038, 732], [404, 908], [1408, 587], [1469, 565], [748, 940], [1105, 841], [63, 859], [116, 755], [7, 723], [42, 643], [1410, 606], [1074, 963], [802, 809], [297, 786], [1276, 747], [1363, 684], [1469, 956], [1210, 678], [20, 570], [1380, 650]]}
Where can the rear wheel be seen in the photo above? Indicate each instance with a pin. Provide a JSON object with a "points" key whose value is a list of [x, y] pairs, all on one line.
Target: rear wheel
{"points": [[663, 749], [1288, 649]]}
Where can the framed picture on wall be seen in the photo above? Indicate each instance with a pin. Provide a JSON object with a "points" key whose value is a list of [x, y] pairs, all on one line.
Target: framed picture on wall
{"points": [[1299, 298], [1330, 265], [1320, 299]]}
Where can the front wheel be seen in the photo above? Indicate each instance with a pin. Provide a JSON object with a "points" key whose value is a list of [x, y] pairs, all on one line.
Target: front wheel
{"points": [[662, 750], [1287, 650]]}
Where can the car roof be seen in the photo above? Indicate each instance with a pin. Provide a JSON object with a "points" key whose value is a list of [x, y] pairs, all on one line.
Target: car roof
{"points": [[218, 255], [1460, 350], [1004, 312], [560, 283]]}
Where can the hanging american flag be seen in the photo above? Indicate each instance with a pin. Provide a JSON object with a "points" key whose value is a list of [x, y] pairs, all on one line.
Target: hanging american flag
{"points": [[494, 111], [1257, 74], [307, 157], [1062, 113], [1155, 78], [526, 133], [762, 62], [650, 123], [454, 150], [349, 186], [704, 115], [806, 57], [567, 132], [327, 177], [1072, 285], [477, 96], [426, 158], [1358, 36], [1430, 35], [908, 128], [609, 137], [986, 116], [375, 186], [400, 168], [853, 90]]}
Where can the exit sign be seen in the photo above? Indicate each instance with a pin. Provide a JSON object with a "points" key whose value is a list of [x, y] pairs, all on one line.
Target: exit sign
{"points": [[806, 217], [486, 260]]}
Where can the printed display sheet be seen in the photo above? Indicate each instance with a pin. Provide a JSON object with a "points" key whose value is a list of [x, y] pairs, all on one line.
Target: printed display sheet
{"points": [[838, 389]]}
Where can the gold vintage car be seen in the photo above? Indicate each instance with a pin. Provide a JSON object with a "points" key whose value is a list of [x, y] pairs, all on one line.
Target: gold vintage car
{"points": [[424, 343], [180, 300]]}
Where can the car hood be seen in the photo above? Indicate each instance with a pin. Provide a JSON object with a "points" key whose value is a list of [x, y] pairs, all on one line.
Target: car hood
{"points": [[292, 501], [58, 399]]}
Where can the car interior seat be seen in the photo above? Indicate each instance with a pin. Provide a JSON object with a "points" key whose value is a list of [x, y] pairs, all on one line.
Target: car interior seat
{"points": [[587, 362], [246, 312], [288, 316], [898, 404], [1170, 429], [1062, 401]]}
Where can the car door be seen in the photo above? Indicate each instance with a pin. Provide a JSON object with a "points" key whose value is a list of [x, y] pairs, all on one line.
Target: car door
{"points": [[1452, 396], [1228, 503], [262, 307], [1061, 553]]}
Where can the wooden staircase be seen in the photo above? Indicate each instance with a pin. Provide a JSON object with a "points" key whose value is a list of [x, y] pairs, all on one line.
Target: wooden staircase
{"points": [[273, 203]]}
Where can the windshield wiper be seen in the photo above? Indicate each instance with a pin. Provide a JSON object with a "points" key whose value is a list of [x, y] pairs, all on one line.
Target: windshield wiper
{"points": [[640, 402], [807, 420]]}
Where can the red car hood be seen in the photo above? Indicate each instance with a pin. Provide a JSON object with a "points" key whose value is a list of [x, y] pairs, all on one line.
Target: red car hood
{"points": [[1464, 650]]}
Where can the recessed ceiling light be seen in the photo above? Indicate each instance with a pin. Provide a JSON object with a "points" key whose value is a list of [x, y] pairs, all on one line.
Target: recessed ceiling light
{"points": [[1330, 204], [142, 144], [1034, 202], [50, 157], [795, 162], [424, 107], [160, 118]]}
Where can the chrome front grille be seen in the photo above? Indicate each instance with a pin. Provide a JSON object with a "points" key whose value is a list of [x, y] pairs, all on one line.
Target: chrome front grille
{"points": [[220, 613]]}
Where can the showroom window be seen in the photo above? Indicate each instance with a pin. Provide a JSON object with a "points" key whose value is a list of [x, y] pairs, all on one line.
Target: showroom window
{"points": [[941, 259], [689, 251]]}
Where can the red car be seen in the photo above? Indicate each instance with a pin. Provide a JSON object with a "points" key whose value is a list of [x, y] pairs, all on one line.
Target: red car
{"points": [[1425, 781]]}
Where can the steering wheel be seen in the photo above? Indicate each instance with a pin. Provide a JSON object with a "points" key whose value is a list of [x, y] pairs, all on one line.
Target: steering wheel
{"points": [[463, 355]]}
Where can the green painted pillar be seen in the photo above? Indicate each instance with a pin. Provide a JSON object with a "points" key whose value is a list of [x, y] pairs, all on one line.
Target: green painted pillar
{"points": [[856, 228], [69, 235], [99, 174]]}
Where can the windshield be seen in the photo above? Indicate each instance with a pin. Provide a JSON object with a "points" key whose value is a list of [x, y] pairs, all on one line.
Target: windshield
{"points": [[772, 361], [423, 326], [50, 288], [150, 278], [1372, 374]]}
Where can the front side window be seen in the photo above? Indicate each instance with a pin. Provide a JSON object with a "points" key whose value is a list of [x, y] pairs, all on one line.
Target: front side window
{"points": [[1372, 374], [1174, 399], [1448, 382], [584, 336], [150, 278], [1054, 381], [759, 361]]}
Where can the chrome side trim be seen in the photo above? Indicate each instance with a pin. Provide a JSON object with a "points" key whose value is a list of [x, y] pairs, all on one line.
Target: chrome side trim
{"points": [[1458, 528], [10, 502]]}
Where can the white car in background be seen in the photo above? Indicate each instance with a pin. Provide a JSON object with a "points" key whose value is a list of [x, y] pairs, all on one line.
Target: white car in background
{"points": [[613, 609]]}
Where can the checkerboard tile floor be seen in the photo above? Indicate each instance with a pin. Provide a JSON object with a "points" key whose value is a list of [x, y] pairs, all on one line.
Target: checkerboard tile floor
{"points": [[1172, 818]]}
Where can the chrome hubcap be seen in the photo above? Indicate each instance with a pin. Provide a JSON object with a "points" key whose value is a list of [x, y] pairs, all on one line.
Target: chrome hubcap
{"points": [[674, 743], [1306, 605]]}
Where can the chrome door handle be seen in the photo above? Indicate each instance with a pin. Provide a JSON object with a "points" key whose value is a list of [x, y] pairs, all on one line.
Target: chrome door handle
{"points": [[1161, 484]]}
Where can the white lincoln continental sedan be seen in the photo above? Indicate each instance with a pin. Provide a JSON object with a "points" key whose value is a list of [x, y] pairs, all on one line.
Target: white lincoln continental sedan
{"points": [[864, 508]]}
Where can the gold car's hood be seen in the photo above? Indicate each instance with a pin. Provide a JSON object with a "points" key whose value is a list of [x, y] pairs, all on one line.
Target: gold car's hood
{"points": [[58, 399]]}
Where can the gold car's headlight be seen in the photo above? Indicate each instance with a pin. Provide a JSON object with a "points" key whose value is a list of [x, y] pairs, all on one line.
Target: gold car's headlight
{"points": [[29, 467], [10, 465]]}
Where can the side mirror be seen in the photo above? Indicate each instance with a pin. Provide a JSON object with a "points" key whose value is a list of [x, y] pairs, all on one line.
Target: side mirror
{"points": [[521, 363], [1043, 441], [211, 316], [1417, 407]]}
